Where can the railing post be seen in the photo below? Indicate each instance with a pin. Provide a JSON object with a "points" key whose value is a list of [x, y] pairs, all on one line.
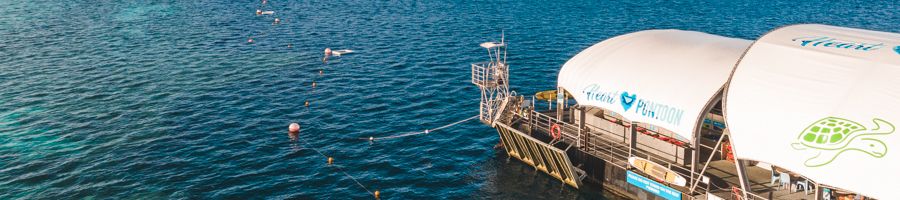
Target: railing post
{"points": [[632, 144], [818, 192], [581, 130]]}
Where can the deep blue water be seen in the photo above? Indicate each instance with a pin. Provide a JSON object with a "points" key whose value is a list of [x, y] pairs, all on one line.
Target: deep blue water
{"points": [[166, 99]]}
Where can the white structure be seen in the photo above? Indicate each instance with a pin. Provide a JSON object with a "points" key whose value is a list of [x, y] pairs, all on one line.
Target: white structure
{"points": [[821, 101], [665, 78]]}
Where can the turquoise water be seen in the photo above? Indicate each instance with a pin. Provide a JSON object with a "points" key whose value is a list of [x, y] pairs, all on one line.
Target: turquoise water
{"points": [[166, 99]]}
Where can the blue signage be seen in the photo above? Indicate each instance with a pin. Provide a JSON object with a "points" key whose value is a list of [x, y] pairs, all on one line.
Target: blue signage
{"points": [[652, 186], [897, 49], [714, 123], [627, 100], [830, 42], [642, 106]]}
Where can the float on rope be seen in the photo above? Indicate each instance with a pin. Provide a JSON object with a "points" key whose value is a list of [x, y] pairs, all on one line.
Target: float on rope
{"points": [[294, 128]]}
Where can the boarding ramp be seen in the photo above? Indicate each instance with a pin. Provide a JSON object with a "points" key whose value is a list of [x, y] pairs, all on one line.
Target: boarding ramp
{"points": [[542, 156]]}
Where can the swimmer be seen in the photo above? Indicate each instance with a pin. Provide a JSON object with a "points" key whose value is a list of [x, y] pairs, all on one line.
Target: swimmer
{"points": [[289, 45], [327, 53], [250, 40], [314, 84], [277, 20], [258, 12], [264, 1], [306, 104], [321, 72]]}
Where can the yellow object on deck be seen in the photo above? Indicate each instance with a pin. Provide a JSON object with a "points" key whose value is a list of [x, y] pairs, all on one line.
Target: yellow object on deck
{"points": [[549, 95]]}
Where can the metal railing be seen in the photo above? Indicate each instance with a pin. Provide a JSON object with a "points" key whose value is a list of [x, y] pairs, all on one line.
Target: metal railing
{"points": [[608, 145], [485, 74]]}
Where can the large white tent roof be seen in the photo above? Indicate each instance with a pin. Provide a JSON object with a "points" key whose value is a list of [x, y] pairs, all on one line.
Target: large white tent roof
{"points": [[821, 101], [661, 77]]}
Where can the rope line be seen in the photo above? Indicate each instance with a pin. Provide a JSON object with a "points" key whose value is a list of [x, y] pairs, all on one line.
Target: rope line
{"points": [[339, 168], [426, 131]]}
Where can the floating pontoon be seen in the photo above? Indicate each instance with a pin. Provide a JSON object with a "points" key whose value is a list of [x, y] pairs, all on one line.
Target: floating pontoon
{"points": [[809, 105]]}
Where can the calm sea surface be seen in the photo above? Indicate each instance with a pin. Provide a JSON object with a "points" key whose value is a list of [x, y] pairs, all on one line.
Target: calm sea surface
{"points": [[166, 99]]}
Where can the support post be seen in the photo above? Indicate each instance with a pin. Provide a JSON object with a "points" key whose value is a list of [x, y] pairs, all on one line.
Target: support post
{"points": [[583, 139], [818, 192], [741, 166], [632, 144], [695, 158]]}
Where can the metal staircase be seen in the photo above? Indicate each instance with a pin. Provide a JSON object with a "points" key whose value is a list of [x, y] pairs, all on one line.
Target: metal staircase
{"points": [[492, 77]]}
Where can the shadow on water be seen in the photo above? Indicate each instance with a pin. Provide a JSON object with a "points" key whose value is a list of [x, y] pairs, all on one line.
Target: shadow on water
{"points": [[508, 178]]}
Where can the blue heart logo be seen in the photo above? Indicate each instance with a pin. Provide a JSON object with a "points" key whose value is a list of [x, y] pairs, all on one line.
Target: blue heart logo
{"points": [[627, 100], [897, 49]]}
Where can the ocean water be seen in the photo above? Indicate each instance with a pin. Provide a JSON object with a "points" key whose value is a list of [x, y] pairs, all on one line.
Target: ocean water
{"points": [[167, 100]]}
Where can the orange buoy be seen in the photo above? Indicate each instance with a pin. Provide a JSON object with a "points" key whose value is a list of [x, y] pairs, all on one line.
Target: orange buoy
{"points": [[377, 194], [330, 160], [294, 128]]}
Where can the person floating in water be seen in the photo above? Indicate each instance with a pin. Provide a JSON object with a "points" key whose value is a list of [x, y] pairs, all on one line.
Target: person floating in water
{"points": [[327, 53], [314, 84]]}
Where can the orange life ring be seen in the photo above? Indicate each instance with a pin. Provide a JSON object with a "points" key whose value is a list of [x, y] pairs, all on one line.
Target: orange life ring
{"points": [[555, 131]]}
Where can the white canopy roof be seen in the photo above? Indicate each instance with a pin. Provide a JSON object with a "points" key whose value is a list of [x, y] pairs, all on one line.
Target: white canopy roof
{"points": [[820, 101], [659, 77]]}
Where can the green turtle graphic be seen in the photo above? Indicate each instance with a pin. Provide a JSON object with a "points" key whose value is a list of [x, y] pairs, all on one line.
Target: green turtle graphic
{"points": [[831, 136]]}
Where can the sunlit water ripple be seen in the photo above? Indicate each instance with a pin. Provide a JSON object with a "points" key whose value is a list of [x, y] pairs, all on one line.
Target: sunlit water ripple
{"points": [[139, 100]]}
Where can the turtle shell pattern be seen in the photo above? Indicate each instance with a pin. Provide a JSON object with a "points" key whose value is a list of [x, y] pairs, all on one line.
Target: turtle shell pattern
{"points": [[829, 131]]}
